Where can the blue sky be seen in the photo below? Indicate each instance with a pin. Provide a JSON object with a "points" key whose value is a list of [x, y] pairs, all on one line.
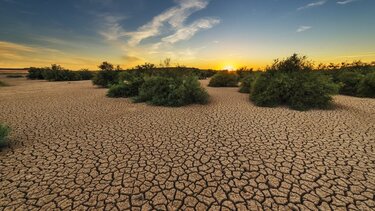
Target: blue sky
{"points": [[202, 33]]}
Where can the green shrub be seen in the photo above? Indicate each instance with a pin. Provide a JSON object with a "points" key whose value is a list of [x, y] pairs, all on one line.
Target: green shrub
{"points": [[105, 78], [4, 132], [366, 87], [349, 82], [3, 84], [58, 73], [203, 74], [311, 90], [189, 92], [165, 91], [244, 72], [120, 90], [130, 76], [271, 89], [35, 73], [85, 74], [298, 87], [156, 90], [247, 83], [128, 85], [107, 75], [293, 63], [224, 79]]}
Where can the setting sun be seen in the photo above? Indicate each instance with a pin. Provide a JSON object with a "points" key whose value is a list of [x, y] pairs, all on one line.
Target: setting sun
{"points": [[229, 67]]}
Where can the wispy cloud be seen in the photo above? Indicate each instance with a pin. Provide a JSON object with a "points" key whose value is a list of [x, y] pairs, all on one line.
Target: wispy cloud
{"points": [[303, 28], [186, 32], [22, 55], [113, 29], [7, 47], [166, 29], [346, 2], [173, 18], [312, 4], [363, 55]]}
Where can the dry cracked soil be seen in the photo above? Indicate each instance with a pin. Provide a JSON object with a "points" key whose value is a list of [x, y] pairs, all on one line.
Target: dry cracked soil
{"points": [[72, 148]]}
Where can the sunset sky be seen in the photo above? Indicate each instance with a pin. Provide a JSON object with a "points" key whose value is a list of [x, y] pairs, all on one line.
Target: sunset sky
{"points": [[201, 33]]}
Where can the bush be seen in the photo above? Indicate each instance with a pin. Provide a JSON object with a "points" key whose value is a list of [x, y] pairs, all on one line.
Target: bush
{"points": [[85, 74], [189, 92], [244, 72], [224, 79], [247, 83], [166, 87], [128, 87], [58, 73], [36, 73], [299, 87], [120, 90], [156, 90], [4, 132], [293, 63], [349, 82], [165, 91], [107, 75], [366, 87], [3, 84], [203, 74], [311, 90], [271, 89]]}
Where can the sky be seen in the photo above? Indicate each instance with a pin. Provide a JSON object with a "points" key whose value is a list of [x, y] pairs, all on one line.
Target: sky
{"points": [[214, 34]]}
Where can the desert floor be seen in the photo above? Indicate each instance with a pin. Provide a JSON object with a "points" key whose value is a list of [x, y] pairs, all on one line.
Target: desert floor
{"points": [[73, 148]]}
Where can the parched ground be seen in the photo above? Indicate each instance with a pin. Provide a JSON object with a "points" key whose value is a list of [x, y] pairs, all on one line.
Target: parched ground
{"points": [[73, 149]]}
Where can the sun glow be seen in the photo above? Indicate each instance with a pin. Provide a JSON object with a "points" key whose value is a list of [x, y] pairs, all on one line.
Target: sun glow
{"points": [[229, 67]]}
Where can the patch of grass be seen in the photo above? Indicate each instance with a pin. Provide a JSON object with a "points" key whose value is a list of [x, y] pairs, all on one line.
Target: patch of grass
{"points": [[4, 132], [224, 79]]}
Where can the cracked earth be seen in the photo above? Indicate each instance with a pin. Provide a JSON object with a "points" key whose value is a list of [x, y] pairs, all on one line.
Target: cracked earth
{"points": [[74, 149]]}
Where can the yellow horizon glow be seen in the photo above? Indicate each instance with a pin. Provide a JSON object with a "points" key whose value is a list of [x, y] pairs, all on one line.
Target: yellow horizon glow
{"points": [[13, 55], [77, 65], [229, 67]]}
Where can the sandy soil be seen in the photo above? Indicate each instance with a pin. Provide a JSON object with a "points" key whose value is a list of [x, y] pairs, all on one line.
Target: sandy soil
{"points": [[73, 148]]}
